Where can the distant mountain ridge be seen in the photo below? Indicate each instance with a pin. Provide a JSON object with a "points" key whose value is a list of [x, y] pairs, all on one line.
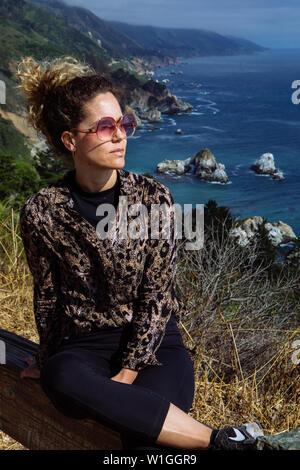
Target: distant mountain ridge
{"points": [[182, 42], [149, 42]]}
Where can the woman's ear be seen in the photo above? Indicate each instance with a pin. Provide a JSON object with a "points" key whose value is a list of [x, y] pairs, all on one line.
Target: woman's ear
{"points": [[68, 140]]}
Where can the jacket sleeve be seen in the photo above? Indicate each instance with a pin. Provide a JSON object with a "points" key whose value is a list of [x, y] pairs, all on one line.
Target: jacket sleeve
{"points": [[156, 289], [46, 279]]}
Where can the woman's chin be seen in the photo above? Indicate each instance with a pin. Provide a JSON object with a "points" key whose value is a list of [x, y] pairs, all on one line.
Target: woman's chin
{"points": [[118, 161]]}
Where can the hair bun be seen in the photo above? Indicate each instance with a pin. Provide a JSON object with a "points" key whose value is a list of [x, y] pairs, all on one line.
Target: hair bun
{"points": [[38, 80]]}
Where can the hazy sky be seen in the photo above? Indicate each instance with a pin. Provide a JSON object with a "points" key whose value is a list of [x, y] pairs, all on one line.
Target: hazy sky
{"points": [[271, 23]]}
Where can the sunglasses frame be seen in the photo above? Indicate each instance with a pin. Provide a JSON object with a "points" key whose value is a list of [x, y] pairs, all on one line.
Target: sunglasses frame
{"points": [[117, 125]]}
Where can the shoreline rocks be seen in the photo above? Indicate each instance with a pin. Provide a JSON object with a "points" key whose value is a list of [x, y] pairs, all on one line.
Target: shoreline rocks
{"points": [[265, 166], [278, 232], [148, 108], [147, 99]]}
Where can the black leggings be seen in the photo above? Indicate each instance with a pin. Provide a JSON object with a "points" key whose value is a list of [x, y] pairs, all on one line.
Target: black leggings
{"points": [[76, 378]]}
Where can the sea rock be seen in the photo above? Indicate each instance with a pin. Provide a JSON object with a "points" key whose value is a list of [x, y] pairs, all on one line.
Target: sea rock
{"points": [[177, 167], [203, 163], [265, 166], [278, 176], [207, 168], [278, 232]]}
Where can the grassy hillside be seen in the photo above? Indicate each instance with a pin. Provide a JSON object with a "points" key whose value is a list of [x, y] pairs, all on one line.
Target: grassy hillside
{"points": [[113, 41], [26, 29], [11, 140]]}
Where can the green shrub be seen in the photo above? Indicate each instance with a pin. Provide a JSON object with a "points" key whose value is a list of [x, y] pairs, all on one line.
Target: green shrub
{"points": [[19, 180]]}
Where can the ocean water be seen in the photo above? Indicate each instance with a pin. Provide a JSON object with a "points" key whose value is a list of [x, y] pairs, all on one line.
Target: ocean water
{"points": [[242, 109]]}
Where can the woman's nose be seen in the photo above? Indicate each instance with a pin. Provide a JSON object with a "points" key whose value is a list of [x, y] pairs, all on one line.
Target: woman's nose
{"points": [[119, 134]]}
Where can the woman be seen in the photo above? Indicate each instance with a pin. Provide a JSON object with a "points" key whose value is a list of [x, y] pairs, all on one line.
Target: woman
{"points": [[105, 306]]}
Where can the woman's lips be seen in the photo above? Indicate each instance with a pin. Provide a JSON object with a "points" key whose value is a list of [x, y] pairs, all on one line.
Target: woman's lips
{"points": [[119, 152]]}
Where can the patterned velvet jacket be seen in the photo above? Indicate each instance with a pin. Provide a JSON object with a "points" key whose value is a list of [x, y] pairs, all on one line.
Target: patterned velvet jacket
{"points": [[83, 283]]}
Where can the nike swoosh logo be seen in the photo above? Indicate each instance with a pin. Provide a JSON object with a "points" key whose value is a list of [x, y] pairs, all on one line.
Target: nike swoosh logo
{"points": [[238, 435]]}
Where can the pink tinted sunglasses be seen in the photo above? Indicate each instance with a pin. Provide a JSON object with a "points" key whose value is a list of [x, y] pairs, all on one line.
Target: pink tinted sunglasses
{"points": [[107, 126]]}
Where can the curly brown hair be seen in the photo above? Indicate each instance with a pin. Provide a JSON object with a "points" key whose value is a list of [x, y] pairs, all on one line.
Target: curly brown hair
{"points": [[55, 92]]}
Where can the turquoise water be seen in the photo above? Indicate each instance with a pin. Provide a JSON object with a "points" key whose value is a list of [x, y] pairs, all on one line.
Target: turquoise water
{"points": [[242, 109]]}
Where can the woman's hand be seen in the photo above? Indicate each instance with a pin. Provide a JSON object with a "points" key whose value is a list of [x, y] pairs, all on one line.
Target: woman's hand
{"points": [[125, 376], [32, 370]]}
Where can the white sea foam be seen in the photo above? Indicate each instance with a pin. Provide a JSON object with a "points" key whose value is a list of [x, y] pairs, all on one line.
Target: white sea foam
{"points": [[194, 136], [206, 101], [218, 182], [209, 106], [236, 170], [213, 128], [172, 121], [279, 121]]}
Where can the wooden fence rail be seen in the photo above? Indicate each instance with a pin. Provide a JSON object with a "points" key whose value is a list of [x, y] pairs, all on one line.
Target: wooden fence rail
{"points": [[29, 417]]}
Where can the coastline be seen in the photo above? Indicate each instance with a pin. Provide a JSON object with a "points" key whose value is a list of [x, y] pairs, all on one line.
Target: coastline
{"points": [[239, 162]]}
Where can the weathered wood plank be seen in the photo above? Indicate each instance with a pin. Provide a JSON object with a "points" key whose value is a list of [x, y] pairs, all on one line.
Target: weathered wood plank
{"points": [[29, 417]]}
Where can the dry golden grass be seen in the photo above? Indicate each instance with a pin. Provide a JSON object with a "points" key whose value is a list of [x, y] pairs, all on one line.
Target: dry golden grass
{"points": [[273, 401], [270, 394]]}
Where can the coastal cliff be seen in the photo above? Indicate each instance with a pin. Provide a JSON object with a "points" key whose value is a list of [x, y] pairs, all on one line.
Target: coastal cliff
{"points": [[28, 29]]}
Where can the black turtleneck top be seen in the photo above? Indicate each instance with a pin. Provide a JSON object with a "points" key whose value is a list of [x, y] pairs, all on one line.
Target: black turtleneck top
{"points": [[87, 202]]}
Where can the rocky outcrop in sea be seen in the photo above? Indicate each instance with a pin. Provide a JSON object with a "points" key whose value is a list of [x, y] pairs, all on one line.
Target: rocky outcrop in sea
{"points": [[278, 232], [207, 168], [203, 165], [175, 167], [148, 100], [265, 165]]}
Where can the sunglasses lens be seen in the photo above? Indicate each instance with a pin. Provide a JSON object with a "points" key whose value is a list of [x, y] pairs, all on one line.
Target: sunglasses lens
{"points": [[106, 127], [128, 124]]}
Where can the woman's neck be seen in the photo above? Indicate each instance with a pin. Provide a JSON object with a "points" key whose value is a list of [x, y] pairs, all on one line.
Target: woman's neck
{"points": [[98, 182]]}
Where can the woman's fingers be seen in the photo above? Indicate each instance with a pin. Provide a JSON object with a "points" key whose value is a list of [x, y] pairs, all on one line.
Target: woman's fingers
{"points": [[91, 420], [31, 372], [29, 360]]}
